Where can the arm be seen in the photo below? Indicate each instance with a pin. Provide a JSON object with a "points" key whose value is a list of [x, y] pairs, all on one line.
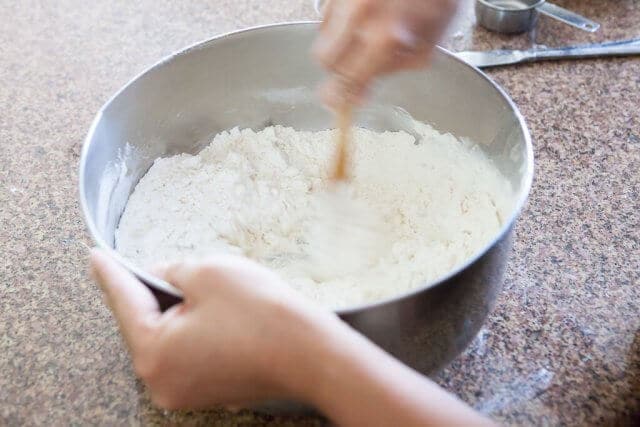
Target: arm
{"points": [[355, 383], [242, 336]]}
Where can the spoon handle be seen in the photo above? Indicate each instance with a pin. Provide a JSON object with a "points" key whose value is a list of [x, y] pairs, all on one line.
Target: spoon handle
{"points": [[617, 48], [341, 166], [568, 17]]}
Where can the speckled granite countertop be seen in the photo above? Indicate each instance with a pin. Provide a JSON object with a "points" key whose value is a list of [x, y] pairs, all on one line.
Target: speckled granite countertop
{"points": [[563, 345]]}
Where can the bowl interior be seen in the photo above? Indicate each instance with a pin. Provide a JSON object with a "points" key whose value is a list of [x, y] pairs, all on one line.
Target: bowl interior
{"points": [[266, 76]]}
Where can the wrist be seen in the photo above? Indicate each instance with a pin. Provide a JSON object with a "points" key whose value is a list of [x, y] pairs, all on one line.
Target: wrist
{"points": [[325, 363], [313, 355], [337, 364]]}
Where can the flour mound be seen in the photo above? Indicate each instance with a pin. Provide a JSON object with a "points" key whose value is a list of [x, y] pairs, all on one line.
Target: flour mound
{"points": [[413, 211]]}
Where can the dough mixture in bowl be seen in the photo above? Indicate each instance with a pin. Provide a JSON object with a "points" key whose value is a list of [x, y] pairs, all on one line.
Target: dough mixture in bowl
{"points": [[413, 211]]}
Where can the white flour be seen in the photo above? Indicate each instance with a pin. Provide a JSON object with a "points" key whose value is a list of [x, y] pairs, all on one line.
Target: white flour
{"points": [[426, 208]]}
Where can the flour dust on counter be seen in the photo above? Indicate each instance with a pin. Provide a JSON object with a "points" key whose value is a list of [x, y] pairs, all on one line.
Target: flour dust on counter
{"points": [[428, 204]]}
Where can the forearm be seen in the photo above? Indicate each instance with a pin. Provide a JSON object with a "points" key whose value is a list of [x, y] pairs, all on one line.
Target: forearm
{"points": [[356, 383]]}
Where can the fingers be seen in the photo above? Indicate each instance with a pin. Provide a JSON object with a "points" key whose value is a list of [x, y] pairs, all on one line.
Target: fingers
{"points": [[340, 90], [337, 92], [133, 305], [327, 9], [219, 276], [360, 69], [410, 61], [355, 73], [339, 30], [187, 276], [363, 39]]}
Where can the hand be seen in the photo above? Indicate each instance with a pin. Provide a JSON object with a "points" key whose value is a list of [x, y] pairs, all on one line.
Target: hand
{"points": [[236, 338], [242, 335], [363, 39]]}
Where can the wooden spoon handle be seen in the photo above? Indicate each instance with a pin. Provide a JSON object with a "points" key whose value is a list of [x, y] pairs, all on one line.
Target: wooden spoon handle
{"points": [[341, 162]]}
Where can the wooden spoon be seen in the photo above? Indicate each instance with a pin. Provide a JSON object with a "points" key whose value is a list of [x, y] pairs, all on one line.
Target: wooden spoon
{"points": [[341, 162]]}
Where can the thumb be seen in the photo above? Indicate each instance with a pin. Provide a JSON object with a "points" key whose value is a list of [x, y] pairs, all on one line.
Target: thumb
{"points": [[133, 305]]}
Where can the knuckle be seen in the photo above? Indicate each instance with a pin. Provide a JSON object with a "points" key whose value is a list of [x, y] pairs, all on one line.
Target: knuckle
{"points": [[343, 76], [327, 61], [207, 271], [357, 78]]}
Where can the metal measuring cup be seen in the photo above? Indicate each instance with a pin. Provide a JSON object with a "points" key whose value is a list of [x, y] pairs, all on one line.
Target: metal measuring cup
{"points": [[518, 16]]}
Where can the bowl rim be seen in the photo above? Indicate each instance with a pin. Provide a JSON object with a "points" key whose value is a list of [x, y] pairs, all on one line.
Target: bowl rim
{"points": [[490, 5], [161, 285]]}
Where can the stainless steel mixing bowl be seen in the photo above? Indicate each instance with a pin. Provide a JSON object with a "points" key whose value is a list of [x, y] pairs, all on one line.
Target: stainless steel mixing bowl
{"points": [[265, 75]]}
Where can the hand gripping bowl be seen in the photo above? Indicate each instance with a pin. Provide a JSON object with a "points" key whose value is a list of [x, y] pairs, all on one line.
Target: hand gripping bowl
{"points": [[265, 75]]}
